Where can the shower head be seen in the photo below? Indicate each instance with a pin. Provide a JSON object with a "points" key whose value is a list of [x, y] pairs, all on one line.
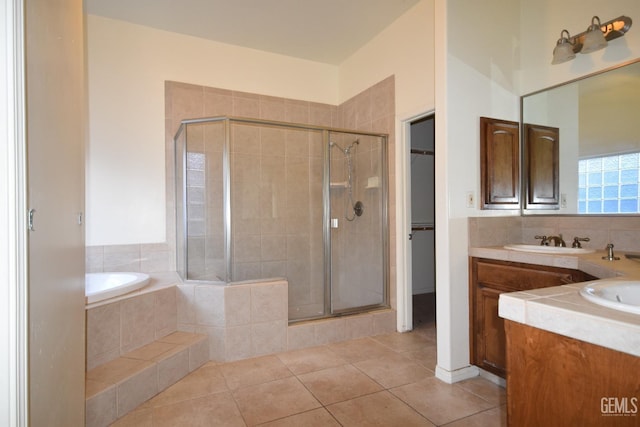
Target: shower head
{"points": [[344, 150], [354, 143]]}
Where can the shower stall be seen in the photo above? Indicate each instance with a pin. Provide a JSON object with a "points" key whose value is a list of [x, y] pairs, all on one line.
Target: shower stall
{"points": [[260, 199]]}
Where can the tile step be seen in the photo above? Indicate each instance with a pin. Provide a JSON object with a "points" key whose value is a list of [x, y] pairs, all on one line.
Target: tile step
{"points": [[119, 386]]}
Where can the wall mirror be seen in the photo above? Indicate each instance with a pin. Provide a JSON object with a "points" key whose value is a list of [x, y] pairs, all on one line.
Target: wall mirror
{"points": [[598, 118]]}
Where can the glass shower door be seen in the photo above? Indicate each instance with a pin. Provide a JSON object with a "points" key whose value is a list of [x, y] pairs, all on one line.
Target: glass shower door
{"points": [[359, 246]]}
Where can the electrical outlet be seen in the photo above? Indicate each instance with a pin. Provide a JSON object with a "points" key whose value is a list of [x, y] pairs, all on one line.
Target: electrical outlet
{"points": [[563, 200], [471, 199]]}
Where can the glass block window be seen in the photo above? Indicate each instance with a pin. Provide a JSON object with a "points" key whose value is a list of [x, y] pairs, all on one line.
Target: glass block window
{"points": [[609, 184]]}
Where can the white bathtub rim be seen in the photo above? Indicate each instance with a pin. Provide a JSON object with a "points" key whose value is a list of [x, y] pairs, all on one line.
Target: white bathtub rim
{"points": [[127, 282]]}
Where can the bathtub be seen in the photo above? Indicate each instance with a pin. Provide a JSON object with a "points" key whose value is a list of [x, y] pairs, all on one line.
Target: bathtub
{"points": [[102, 286]]}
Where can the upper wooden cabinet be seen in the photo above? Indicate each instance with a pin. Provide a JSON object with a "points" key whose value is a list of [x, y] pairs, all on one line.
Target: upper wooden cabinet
{"points": [[499, 164], [541, 167]]}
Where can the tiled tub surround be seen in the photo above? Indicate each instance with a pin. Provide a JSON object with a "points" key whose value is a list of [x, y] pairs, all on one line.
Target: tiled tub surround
{"points": [[562, 310], [242, 320], [119, 386], [119, 325], [143, 258]]}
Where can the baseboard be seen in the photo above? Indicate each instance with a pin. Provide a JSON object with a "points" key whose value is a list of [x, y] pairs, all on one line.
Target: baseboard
{"points": [[461, 374], [493, 378]]}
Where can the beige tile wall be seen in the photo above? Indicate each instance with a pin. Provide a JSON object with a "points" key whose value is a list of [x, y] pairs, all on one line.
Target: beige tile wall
{"points": [[147, 258], [291, 245], [623, 232], [251, 319], [241, 320]]}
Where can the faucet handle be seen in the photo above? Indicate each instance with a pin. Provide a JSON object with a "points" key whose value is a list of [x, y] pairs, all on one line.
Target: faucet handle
{"points": [[577, 240], [544, 241]]}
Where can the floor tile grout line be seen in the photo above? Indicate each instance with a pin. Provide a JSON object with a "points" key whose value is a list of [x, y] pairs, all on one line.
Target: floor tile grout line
{"points": [[476, 394], [411, 406], [396, 351], [352, 364], [471, 415], [383, 389]]}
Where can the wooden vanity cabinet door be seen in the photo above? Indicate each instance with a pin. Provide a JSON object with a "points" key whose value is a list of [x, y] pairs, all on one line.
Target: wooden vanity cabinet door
{"points": [[499, 164], [490, 334], [487, 280], [541, 167]]}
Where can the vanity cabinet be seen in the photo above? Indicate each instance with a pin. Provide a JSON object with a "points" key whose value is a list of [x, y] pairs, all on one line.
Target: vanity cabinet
{"points": [[554, 380], [487, 280]]}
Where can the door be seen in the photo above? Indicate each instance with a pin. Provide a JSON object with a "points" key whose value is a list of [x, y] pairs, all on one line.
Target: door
{"points": [[541, 164], [499, 164], [359, 249], [55, 137], [423, 220]]}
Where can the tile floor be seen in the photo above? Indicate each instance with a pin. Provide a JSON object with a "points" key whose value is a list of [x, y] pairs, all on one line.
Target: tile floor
{"points": [[386, 380]]}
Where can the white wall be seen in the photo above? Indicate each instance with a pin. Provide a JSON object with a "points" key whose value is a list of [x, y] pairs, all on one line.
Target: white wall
{"points": [[128, 65], [406, 49], [476, 77]]}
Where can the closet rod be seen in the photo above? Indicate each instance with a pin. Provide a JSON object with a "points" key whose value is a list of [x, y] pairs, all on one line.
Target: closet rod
{"points": [[422, 227], [423, 152]]}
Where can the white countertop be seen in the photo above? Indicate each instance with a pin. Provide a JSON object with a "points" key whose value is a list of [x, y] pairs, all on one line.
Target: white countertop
{"points": [[561, 309]]}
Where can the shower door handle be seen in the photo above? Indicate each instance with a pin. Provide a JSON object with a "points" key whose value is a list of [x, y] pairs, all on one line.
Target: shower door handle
{"points": [[30, 219]]}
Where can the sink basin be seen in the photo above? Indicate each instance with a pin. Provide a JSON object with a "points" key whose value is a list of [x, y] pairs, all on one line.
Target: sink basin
{"points": [[541, 249], [623, 295]]}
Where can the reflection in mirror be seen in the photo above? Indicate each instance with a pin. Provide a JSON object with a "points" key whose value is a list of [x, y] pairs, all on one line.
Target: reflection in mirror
{"points": [[599, 122]]}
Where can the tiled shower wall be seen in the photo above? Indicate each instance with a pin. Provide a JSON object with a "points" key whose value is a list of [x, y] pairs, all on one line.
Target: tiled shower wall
{"points": [[623, 232], [372, 110]]}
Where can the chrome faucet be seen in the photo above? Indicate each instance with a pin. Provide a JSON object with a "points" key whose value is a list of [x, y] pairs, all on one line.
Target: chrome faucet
{"points": [[557, 240]]}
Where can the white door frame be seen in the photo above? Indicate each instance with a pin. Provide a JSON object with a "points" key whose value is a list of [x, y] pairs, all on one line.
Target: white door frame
{"points": [[13, 230], [404, 286]]}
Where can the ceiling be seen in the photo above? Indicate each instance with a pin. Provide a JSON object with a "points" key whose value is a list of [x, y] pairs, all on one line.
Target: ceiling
{"points": [[327, 31]]}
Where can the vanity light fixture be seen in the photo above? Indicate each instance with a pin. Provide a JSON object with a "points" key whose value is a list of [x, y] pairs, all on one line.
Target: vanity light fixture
{"points": [[595, 38], [563, 51]]}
